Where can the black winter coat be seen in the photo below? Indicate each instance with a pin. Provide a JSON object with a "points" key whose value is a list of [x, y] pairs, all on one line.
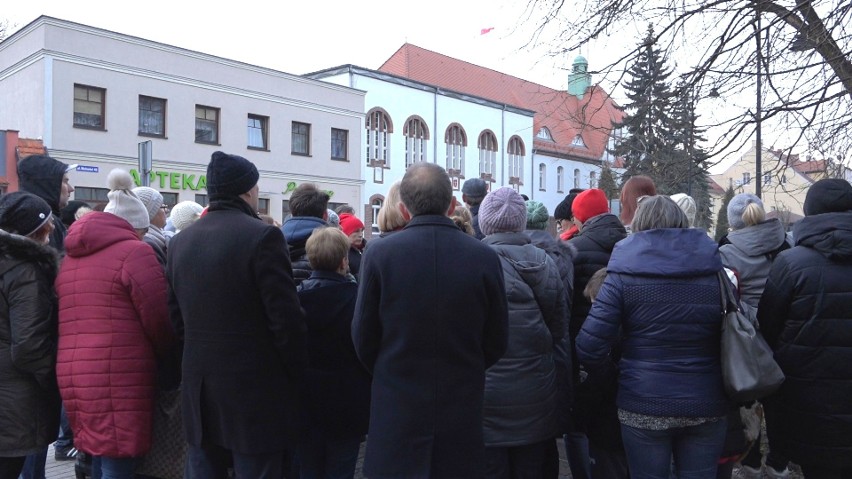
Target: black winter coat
{"points": [[336, 397], [29, 396], [431, 317], [805, 314], [232, 295], [521, 388], [562, 253]]}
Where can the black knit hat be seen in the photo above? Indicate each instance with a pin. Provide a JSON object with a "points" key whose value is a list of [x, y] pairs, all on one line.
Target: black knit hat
{"points": [[829, 195], [23, 213], [230, 175], [563, 209], [67, 213]]}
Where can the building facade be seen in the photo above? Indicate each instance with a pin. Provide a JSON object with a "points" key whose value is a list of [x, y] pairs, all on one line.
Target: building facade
{"points": [[92, 96], [477, 122]]}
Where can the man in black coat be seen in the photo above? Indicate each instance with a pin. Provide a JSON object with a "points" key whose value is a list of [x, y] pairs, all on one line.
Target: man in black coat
{"points": [[473, 192], [431, 316], [805, 314], [233, 299]]}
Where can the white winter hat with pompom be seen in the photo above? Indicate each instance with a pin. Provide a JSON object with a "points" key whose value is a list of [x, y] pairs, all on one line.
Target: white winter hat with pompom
{"points": [[123, 202]]}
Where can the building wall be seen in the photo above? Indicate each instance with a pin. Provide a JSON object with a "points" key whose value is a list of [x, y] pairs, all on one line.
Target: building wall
{"points": [[438, 111], [128, 67], [785, 191], [551, 195]]}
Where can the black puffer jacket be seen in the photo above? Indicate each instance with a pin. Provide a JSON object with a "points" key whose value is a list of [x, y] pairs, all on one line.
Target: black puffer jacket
{"points": [[805, 314], [521, 388], [29, 397], [594, 246]]}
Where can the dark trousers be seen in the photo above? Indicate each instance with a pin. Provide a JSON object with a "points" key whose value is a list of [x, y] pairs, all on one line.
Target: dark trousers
{"points": [[696, 450], [10, 467], [577, 450], [532, 461], [211, 462], [323, 458], [66, 436], [607, 464], [33, 467]]}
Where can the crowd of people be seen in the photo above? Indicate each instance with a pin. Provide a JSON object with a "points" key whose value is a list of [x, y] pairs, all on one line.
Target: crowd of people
{"points": [[463, 340]]}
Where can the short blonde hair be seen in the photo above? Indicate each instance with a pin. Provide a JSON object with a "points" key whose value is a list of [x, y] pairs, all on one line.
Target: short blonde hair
{"points": [[326, 248], [390, 217], [462, 218]]}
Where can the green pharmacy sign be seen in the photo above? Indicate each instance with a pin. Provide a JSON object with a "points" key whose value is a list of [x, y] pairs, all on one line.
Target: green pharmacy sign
{"points": [[172, 180]]}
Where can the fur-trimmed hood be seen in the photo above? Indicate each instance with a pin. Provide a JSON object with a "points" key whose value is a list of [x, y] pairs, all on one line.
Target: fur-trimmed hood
{"points": [[16, 249]]}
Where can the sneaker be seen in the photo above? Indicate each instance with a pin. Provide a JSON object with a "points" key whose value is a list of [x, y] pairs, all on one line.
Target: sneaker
{"points": [[773, 473], [65, 453], [748, 472]]}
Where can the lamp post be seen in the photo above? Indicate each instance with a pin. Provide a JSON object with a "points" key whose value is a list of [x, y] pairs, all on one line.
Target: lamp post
{"points": [[758, 154]]}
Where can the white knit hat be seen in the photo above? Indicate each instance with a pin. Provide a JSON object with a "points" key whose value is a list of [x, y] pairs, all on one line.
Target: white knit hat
{"points": [[686, 204], [185, 213], [123, 202], [151, 198]]}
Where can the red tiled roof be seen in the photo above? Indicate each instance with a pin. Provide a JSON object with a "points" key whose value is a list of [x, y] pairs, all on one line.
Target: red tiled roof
{"points": [[27, 147], [563, 114], [813, 166]]}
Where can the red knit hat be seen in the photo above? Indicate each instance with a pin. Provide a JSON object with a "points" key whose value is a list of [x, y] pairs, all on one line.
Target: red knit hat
{"points": [[589, 204], [350, 223]]}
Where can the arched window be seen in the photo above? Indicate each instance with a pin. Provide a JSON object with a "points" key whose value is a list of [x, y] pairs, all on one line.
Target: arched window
{"points": [[375, 205], [593, 180], [544, 134], [560, 179], [576, 178], [379, 129], [416, 138], [456, 141], [516, 161], [487, 155], [542, 177]]}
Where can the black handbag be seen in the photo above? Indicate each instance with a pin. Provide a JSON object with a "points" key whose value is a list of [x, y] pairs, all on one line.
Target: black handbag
{"points": [[749, 370]]}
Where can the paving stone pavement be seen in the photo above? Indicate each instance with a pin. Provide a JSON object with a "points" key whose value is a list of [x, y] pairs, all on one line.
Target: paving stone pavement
{"points": [[65, 469]]}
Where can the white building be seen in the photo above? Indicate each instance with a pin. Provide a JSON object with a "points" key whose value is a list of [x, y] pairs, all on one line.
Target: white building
{"points": [[409, 121], [93, 95], [424, 106]]}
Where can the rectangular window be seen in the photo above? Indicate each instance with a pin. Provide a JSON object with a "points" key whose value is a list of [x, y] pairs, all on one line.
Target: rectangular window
{"points": [[93, 196], [339, 144], [169, 199], [206, 124], [258, 132], [89, 107], [201, 200], [152, 116], [767, 179], [301, 139], [263, 206], [285, 210]]}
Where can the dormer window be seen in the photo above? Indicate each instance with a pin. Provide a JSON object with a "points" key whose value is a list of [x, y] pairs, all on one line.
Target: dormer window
{"points": [[544, 134], [578, 142]]}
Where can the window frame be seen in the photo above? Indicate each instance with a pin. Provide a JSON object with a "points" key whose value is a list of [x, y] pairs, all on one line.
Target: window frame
{"points": [[264, 131], [456, 140], [307, 138], [345, 147], [488, 147], [162, 117], [102, 116], [217, 122], [379, 127], [516, 150], [416, 134], [542, 177], [560, 179]]}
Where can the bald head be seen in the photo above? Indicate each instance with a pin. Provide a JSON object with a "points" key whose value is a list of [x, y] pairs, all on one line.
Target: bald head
{"points": [[426, 190]]}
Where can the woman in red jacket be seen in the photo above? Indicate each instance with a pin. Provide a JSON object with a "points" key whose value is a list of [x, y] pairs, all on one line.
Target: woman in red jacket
{"points": [[113, 324]]}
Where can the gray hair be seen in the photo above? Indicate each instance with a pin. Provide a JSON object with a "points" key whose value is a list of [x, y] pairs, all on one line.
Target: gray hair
{"points": [[658, 212]]}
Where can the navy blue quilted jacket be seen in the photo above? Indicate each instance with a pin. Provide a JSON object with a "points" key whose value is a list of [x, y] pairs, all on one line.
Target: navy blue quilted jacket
{"points": [[661, 300]]}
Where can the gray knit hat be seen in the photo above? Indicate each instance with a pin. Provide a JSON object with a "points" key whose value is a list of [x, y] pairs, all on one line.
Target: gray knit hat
{"points": [[737, 206], [333, 219], [502, 210], [537, 215], [151, 198]]}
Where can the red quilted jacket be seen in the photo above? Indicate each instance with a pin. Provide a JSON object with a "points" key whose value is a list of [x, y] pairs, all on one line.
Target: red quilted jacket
{"points": [[113, 322]]}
